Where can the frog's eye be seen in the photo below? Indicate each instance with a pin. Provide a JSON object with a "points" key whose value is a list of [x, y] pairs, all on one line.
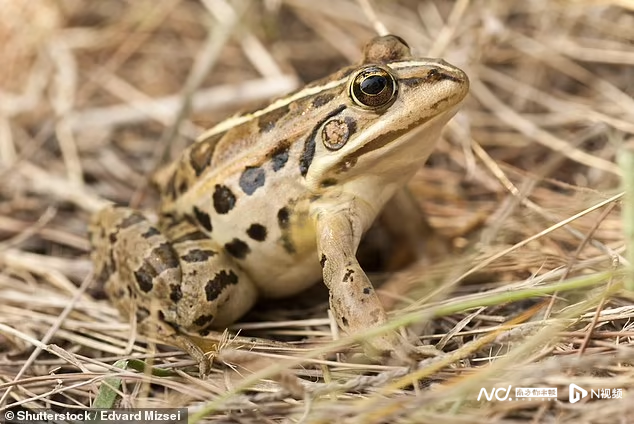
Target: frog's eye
{"points": [[373, 87]]}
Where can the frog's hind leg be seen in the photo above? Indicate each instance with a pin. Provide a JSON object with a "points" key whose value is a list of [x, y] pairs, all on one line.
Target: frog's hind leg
{"points": [[210, 277], [174, 279]]}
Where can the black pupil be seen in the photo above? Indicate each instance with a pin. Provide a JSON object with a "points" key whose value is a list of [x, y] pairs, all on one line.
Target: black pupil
{"points": [[373, 84]]}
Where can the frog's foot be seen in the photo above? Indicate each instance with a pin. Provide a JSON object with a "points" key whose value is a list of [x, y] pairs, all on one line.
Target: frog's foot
{"points": [[426, 351], [408, 354], [187, 344], [393, 349]]}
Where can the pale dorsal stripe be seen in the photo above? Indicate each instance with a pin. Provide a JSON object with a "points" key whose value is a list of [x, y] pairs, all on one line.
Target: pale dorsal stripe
{"points": [[307, 92], [240, 119]]}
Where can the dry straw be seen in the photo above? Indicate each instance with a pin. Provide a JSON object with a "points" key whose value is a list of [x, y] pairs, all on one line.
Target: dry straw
{"points": [[521, 282]]}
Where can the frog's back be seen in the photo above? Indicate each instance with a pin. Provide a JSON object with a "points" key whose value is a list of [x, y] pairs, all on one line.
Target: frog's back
{"points": [[243, 183]]}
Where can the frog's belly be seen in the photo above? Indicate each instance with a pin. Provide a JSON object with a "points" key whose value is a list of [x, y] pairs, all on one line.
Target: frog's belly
{"points": [[286, 263], [277, 279]]}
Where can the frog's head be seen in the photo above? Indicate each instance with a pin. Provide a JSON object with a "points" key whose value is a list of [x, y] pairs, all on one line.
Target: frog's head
{"points": [[386, 119]]}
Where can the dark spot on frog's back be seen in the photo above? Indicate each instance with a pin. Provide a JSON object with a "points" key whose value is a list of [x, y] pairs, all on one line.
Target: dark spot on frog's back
{"points": [[203, 320], [252, 178], [283, 217], [160, 259], [216, 285], [152, 231], [132, 219], [144, 279], [163, 258], [237, 248], [198, 255], [203, 218], [224, 199], [176, 293], [268, 121], [201, 153], [279, 156], [322, 99], [257, 232]]}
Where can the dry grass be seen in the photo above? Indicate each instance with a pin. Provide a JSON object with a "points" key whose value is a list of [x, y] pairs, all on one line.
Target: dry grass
{"points": [[524, 187]]}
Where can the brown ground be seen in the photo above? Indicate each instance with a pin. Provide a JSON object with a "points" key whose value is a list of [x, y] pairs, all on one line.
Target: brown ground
{"points": [[524, 189]]}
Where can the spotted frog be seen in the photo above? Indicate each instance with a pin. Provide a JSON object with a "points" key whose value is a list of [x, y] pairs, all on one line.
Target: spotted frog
{"points": [[266, 203]]}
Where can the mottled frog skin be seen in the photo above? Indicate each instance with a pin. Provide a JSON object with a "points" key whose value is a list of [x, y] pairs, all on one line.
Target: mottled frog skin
{"points": [[267, 203]]}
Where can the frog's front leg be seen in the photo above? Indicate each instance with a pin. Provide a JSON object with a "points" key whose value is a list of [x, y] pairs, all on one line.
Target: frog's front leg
{"points": [[171, 276], [352, 297]]}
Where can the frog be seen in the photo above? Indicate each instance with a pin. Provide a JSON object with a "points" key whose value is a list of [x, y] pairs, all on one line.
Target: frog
{"points": [[269, 202]]}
